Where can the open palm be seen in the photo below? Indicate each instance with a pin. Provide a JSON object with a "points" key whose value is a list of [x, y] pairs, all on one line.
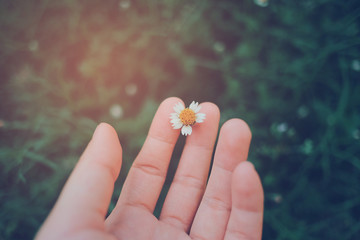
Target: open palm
{"points": [[228, 206]]}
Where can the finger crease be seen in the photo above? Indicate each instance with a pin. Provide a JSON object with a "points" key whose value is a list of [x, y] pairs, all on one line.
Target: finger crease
{"points": [[150, 169], [175, 221], [190, 181], [230, 171], [161, 139], [107, 167], [139, 205], [239, 233], [197, 237], [217, 203]]}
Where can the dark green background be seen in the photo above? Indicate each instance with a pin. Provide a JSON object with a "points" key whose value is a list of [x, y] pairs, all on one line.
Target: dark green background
{"points": [[291, 70]]}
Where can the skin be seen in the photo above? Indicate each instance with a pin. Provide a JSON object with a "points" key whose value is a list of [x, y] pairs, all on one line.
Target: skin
{"points": [[227, 206]]}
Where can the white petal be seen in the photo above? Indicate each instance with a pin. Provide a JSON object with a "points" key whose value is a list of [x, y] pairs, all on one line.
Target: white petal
{"points": [[178, 107], [194, 105], [200, 117], [175, 121], [177, 125], [197, 109], [186, 130], [173, 115]]}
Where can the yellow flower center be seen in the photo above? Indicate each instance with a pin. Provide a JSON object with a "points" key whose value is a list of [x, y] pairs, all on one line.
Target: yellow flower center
{"points": [[187, 116]]}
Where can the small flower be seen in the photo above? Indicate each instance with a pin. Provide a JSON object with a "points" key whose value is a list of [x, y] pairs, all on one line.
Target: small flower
{"points": [[184, 118]]}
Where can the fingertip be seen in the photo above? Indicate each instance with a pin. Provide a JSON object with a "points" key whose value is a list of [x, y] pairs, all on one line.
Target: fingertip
{"points": [[215, 111], [212, 111], [105, 147], [172, 100], [161, 126], [106, 134], [206, 131], [105, 130], [245, 166], [247, 189], [237, 129], [234, 143], [168, 104]]}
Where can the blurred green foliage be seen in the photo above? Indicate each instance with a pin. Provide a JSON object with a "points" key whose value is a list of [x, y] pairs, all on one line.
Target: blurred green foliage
{"points": [[291, 70]]}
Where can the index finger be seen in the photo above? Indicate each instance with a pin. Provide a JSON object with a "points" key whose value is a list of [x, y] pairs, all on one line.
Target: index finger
{"points": [[148, 172]]}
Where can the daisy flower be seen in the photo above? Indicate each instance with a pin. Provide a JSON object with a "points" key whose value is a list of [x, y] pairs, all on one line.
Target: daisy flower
{"points": [[184, 118]]}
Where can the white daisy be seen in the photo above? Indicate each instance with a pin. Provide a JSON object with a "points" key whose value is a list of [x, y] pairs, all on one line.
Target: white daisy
{"points": [[184, 118]]}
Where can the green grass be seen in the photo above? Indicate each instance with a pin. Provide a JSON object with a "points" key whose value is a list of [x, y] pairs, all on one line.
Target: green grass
{"points": [[291, 70]]}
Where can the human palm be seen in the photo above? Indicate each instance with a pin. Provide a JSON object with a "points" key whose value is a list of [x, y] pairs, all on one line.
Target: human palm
{"points": [[228, 206]]}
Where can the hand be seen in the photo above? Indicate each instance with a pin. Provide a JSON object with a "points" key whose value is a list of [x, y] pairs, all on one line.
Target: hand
{"points": [[229, 206]]}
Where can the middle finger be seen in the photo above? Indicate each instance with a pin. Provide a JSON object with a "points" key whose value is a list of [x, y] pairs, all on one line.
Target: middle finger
{"points": [[189, 181]]}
